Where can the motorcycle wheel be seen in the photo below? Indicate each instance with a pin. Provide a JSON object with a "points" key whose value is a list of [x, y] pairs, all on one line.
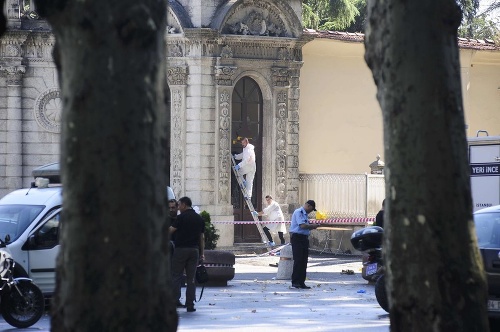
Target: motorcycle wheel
{"points": [[23, 311], [381, 293]]}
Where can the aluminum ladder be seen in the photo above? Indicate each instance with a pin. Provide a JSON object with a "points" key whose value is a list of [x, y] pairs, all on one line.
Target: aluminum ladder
{"points": [[248, 201]]}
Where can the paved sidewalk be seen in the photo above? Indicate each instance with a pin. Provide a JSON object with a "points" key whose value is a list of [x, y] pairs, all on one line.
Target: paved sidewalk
{"points": [[255, 301]]}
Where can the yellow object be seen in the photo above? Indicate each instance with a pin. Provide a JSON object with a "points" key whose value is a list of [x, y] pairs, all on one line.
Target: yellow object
{"points": [[320, 215]]}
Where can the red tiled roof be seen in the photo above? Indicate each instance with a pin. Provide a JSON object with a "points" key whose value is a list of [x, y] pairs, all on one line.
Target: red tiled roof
{"points": [[476, 44]]}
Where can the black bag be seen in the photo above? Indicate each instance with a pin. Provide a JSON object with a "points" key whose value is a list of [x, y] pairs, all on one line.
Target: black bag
{"points": [[201, 278], [201, 274]]}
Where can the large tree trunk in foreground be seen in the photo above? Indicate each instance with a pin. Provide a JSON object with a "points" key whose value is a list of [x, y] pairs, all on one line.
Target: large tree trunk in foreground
{"points": [[434, 270], [112, 273]]}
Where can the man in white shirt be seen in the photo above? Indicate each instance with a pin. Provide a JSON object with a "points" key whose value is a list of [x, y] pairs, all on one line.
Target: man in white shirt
{"points": [[276, 218], [247, 165]]}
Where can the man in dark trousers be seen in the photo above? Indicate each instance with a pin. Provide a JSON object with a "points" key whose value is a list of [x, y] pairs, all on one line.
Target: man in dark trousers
{"points": [[299, 238], [189, 242]]}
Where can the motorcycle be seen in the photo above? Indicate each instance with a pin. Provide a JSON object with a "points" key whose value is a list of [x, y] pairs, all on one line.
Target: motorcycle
{"points": [[369, 241], [21, 301]]}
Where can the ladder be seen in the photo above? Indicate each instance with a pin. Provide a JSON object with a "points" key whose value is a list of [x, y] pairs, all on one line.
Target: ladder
{"points": [[239, 178]]}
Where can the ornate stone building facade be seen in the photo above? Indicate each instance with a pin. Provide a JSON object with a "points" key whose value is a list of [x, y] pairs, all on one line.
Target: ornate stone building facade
{"points": [[233, 69]]}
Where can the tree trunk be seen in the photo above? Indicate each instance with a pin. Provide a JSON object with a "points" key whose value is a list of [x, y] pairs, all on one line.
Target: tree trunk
{"points": [[3, 19], [113, 270], [434, 279]]}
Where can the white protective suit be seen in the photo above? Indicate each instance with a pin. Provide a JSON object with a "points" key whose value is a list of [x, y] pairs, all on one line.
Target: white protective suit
{"points": [[247, 166], [274, 213]]}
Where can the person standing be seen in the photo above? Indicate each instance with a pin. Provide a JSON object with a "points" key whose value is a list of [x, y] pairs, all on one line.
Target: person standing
{"points": [[189, 250], [379, 218], [173, 208], [275, 216], [300, 229], [247, 166]]}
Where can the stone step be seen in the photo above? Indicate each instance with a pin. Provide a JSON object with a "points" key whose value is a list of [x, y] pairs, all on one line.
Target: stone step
{"points": [[245, 248]]}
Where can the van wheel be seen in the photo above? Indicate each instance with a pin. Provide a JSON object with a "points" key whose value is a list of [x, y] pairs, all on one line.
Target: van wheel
{"points": [[381, 293]]}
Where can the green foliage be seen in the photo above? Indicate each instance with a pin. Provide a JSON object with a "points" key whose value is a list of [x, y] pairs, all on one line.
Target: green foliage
{"points": [[480, 28], [309, 18], [211, 235], [329, 14]]}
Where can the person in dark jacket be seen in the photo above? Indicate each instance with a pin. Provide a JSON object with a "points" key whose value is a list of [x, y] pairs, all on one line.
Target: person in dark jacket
{"points": [[379, 218], [189, 251]]}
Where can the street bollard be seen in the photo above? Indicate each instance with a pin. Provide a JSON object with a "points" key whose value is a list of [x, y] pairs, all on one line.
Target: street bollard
{"points": [[285, 265]]}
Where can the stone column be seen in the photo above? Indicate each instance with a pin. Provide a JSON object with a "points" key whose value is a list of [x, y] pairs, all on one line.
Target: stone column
{"points": [[13, 153]]}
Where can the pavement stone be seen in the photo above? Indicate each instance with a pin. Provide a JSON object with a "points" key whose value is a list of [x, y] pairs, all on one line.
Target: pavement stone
{"points": [[255, 300]]}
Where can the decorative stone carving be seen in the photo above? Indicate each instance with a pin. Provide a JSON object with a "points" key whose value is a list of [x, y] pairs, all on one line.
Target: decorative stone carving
{"points": [[284, 54], [176, 157], [255, 24], [281, 124], [12, 50], [48, 110], [224, 147], [256, 18], [173, 24], [226, 52], [171, 30], [174, 50], [280, 77], [177, 75], [224, 75], [14, 74]]}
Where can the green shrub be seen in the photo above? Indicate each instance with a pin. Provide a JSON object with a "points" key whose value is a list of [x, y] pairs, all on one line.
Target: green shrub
{"points": [[211, 235]]}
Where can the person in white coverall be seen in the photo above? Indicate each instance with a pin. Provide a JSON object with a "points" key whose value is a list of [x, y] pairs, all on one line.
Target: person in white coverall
{"points": [[247, 165], [276, 218]]}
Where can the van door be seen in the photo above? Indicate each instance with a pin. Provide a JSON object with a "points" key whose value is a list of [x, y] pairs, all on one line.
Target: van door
{"points": [[43, 248]]}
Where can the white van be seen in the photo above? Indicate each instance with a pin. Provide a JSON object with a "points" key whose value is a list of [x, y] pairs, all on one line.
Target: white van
{"points": [[30, 224]]}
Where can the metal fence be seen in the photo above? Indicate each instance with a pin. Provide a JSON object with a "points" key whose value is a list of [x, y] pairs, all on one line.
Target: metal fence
{"points": [[344, 195]]}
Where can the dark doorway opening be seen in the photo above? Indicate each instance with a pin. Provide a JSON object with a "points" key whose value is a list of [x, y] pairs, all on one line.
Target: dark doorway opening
{"points": [[246, 119]]}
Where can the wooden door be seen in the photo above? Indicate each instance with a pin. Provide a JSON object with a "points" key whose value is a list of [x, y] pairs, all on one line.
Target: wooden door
{"points": [[246, 122]]}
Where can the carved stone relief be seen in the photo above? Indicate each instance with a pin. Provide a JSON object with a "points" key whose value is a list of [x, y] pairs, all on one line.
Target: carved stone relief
{"points": [[177, 75], [14, 74], [48, 110], [256, 18], [174, 50], [177, 124], [281, 143], [226, 52], [281, 77], [224, 147], [224, 75]]}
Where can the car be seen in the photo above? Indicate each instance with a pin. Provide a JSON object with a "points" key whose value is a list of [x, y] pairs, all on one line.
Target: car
{"points": [[487, 222], [30, 223]]}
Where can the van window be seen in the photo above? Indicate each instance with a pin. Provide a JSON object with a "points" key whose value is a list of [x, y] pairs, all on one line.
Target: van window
{"points": [[47, 236], [487, 229], [14, 219]]}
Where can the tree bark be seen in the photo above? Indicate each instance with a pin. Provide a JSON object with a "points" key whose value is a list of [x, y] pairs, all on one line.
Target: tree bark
{"points": [[113, 269], [435, 278], [3, 19]]}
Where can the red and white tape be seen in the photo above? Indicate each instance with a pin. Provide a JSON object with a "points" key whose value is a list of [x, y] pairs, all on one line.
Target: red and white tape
{"points": [[312, 221]]}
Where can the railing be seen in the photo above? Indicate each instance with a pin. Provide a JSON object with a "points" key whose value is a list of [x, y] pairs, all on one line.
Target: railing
{"points": [[344, 195]]}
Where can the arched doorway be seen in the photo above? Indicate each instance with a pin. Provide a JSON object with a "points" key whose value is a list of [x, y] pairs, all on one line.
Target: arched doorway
{"points": [[246, 116]]}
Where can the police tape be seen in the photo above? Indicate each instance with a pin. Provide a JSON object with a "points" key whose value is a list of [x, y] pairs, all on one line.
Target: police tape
{"points": [[312, 221]]}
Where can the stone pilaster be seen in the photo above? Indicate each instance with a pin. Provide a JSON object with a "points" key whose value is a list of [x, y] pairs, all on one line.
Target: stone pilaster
{"points": [[177, 81], [14, 151], [293, 139]]}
